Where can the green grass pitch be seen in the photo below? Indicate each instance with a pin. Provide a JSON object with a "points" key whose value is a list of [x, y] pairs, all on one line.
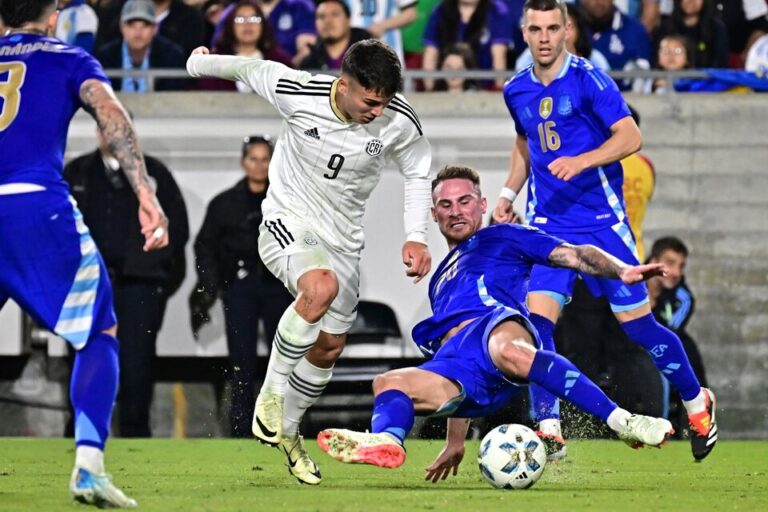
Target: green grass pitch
{"points": [[232, 475]]}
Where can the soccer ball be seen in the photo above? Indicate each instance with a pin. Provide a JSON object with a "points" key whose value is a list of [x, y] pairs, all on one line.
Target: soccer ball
{"points": [[511, 457]]}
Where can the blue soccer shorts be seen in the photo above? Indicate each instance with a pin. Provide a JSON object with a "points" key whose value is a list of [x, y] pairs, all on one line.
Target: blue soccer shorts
{"points": [[50, 266], [616, 240], [465, 359]]}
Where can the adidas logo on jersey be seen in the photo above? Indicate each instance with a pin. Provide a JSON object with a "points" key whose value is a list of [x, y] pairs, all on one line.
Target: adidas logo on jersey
{"points": [[312, 132]]}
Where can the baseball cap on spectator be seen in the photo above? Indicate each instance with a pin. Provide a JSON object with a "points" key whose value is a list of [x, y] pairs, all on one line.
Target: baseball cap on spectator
{"points": [[138, 10]]}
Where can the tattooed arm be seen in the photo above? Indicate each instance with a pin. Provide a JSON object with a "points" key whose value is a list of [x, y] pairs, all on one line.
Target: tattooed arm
{"points": [[100, 101], [593, 261]]}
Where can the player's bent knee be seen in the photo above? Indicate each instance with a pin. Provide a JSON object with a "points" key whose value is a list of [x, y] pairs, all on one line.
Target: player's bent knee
{"points": [[513, 357]]}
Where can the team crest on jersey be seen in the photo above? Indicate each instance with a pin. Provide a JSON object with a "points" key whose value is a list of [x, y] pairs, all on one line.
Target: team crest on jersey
{"points": [[310, 241], [545, 107], [564, 105], [374, 147]]}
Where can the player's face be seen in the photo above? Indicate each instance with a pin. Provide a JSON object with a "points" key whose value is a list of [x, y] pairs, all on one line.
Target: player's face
{"points": [[247, 25], [331, 22], [255, 163], [675, 263], [546, 33], [138, 34], [458, 209], [358, 104], [672, 54]]}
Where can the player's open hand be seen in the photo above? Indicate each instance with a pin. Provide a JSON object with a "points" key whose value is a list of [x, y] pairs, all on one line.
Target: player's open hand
{"points": [[639, 273], [566, 167], [201, 50], [154, 223], [503, 213], [446, 462], [417, 260]]}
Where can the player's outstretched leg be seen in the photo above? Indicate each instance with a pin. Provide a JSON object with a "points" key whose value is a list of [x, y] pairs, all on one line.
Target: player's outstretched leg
{"points": [[293, 339], [637, 430], [382, 449], [703, 427], [300, 464], [93, 391]]}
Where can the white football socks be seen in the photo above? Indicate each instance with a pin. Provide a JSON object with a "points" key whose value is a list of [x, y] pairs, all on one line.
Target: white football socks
{"points": [[305, 385], [293, 339], [617, 420], [90, 458], [698, 404]]}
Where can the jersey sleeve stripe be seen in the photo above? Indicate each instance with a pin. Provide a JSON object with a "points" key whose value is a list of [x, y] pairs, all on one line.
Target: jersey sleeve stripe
{"points": [[303, 93], [404, 104], [408, 115]]}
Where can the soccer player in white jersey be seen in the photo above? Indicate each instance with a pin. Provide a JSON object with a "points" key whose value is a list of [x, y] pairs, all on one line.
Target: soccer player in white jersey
{"points": [[338, 135]]}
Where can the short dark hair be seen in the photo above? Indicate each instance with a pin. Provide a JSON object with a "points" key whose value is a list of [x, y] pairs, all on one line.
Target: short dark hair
{"points": [[667, 243], [16, 13], [375, 66], [454, 172], [342, 3], [252, 140], [546, 5]]}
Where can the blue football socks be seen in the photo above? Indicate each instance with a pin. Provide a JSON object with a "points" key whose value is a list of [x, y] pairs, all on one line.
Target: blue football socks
{"points": [[560, 377], [544, 405], [393, 413], [93, 389], [667, 353]]}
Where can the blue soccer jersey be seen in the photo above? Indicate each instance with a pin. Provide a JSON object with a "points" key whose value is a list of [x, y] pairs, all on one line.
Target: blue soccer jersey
{"points": [[568, 117], [36, 107], [489, 270]]}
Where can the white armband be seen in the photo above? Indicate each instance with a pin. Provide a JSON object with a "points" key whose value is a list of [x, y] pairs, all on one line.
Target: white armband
{"points": [[508, 194]]}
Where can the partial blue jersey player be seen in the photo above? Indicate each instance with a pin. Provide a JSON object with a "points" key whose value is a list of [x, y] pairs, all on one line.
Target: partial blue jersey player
{"points": [[573, 128], [482, 347], [49, 264]]}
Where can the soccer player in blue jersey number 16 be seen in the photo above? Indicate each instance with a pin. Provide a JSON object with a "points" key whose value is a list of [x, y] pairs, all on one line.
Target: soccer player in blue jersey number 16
{"points": [[573, 127], [481, 345], [49, 264]]}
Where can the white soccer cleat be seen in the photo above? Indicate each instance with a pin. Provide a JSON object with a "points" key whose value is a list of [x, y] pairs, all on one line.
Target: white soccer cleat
{"points": [[92, 489], [552, 436], [300, 464], [645, 430], [362, 447], [268, 418]]}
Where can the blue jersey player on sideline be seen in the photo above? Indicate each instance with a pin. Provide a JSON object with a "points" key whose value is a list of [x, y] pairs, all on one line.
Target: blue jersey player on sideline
{"points": [[481, 345], [49, 264], [573, 127]]}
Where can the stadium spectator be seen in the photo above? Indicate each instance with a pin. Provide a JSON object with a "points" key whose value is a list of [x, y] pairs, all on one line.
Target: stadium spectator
{"points": [[142, 282], [646, 11], [757, 57], [175, 20], [480, 346], [578, 42], [564, 162], [77, 24], [674, 54], [335, 34], [384, 19], [246, 33], [485, 25], [458, 57], [293, 22], [673, 306], [620, 38], [413, 34], [229, 267], [699, 22], [141, 48], [213, 13]]}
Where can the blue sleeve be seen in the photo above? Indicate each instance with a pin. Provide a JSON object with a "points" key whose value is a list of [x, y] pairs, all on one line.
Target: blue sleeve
{"points": [[430, 31], [500, 24], [604, 96], [85, 68], [528, 242], [643, 42]]}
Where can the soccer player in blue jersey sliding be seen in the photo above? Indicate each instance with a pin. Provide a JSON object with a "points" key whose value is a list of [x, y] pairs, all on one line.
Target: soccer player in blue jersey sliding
{"points": [[573, 127], [481, 345], [49, 264]]}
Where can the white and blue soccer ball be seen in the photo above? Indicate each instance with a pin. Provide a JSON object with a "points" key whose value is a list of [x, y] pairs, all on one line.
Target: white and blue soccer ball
{"points": [[511, 457]]}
